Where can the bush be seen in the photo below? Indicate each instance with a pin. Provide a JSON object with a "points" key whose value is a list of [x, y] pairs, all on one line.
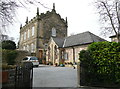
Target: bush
{"points": [[102, 62], [9, 56], [9, 45]]}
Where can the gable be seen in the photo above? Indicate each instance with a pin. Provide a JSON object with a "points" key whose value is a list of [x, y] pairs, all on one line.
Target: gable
{"points": [[51, 41]]}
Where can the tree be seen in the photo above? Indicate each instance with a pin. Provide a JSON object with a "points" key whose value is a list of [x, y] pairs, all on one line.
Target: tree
{"points": [[8, 44], [8, 10], [109, 11]]}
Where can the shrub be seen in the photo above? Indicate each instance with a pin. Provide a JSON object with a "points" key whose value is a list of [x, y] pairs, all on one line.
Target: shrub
{"points": [[102, 62], [8, 44], [9, 56]]}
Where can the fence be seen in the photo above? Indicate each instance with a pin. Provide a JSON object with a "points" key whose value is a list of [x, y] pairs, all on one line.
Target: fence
{"points": [[22, 76]]}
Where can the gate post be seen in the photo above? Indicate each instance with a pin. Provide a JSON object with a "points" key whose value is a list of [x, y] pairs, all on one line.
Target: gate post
{"points": [[78, 74]]}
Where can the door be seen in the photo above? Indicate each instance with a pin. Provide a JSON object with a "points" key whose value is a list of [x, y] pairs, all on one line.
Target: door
{"points": [[40, 55]]}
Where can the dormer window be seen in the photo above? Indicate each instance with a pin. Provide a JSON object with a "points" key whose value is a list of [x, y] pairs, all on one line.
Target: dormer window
{"points": [[53, 32]]}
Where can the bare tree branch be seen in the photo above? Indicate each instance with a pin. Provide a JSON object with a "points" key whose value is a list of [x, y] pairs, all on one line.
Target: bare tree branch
{"points": [[109, 15], [8, 10]]}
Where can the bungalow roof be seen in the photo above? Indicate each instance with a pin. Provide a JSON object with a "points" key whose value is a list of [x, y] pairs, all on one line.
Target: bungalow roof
{"points": [[79, 39]]}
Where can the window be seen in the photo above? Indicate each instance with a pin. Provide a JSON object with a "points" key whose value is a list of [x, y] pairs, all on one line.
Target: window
{"points": [[32, 47], [66, 56], [33, 31], [28, 33], [53, 32], [55, 52], [27, 47], [48, 53], [25, 36], [24, 48], [21, 37]]}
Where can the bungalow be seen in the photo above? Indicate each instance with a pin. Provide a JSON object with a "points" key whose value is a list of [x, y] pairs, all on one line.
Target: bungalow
{"points": [[66, 50]]}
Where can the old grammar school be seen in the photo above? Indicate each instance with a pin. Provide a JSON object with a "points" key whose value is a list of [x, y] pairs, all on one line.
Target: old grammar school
{"points": [[45, 36]]}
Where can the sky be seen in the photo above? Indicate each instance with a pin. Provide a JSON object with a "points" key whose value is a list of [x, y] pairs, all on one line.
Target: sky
{"points": [[81, 14]]}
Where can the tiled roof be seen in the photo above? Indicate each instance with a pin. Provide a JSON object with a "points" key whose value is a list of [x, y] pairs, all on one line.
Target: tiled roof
{"points": [[79, 39]]}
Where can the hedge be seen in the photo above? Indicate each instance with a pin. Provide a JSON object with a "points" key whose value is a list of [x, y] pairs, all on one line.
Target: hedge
{"points": [[102, 63]]}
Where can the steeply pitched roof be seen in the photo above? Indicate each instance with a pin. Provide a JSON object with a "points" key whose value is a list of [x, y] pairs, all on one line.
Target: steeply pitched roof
{"points": [[59, 41], [81, 39]]}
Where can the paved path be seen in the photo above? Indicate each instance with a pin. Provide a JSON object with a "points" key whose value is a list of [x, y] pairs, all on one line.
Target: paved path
{"points": [[49, 76]]}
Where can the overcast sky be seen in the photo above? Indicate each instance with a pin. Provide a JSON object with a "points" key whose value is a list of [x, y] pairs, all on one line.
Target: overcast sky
{"points": [[81, 14]]}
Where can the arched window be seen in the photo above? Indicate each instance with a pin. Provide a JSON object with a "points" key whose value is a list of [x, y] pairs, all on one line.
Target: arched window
{"points": [[53, 32], [48, 53], [55, 52]]}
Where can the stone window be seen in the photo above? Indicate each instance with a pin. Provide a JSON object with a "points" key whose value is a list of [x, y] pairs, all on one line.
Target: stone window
{"points": [[24, 35], [55, 52], [33, 31], [32, 47], [48, 53], [23, 47], [53, 32], [27, 47], [66, 56], [21, 37], [28, 33]]}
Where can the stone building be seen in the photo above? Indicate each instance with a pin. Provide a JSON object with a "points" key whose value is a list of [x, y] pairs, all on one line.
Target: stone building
{"points": [[35, 34], [66, 50]]}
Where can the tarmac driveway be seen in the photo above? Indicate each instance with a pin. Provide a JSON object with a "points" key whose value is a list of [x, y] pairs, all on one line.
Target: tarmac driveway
{"points": [[49, 76]]}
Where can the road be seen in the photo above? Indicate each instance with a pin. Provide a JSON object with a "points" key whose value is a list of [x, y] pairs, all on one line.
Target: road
{"points": [[49, 76]]}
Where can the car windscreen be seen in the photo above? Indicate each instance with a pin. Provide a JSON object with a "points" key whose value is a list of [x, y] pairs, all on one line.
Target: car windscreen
{"points": [[33, 58], [25, 58]]}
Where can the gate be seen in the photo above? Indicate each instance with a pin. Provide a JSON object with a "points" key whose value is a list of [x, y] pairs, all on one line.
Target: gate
{"points": [[24, 75]]}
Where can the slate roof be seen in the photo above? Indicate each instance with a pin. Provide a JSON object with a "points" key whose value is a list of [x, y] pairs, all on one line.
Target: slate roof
{"points": [[59, 41], [113, 36], [79, 39]]}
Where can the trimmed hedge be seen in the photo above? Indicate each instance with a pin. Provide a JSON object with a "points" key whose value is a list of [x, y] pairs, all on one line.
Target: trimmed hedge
{"points": [[101, 62]]}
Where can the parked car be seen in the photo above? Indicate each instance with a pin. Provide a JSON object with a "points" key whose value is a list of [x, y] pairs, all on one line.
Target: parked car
{"points": [[32, 59]]}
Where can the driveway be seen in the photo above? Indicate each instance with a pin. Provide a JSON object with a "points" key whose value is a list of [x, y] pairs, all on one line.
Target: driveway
{"points": [[49, 76]]}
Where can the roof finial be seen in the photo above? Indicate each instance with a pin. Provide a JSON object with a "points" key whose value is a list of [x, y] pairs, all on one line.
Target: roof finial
{"points": [[54, 6], [66, 20], [26, 20], [20, 26], [37, 10]]}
